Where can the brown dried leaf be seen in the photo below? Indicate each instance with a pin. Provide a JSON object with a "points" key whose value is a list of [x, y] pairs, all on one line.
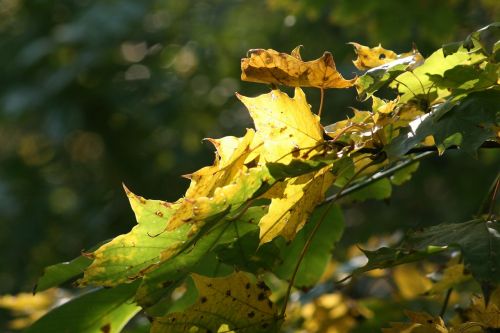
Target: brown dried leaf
{"points": [[270, 66]]}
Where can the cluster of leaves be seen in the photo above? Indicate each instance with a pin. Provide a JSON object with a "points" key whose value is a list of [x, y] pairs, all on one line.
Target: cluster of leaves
{"points": [[268, 208]]}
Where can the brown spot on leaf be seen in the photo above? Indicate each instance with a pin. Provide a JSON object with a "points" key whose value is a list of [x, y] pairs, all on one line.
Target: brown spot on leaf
{"points": [[203, 299], [106, 328], [166, 284], [251, 314], [262, 285]]}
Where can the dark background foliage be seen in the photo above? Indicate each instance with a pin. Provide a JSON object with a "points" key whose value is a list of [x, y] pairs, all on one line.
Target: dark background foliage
{"points": [[96, 93]]}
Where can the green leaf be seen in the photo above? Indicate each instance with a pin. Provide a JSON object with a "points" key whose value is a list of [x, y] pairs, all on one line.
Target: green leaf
{"points": [[485, 38], [467, 78], [57, 274], [381, 189], [102, 310], [246, 254], [479, 241], [344, 170], [386, 257], [375, 78], [299, 167], [127, 256], [155, 291], [418, 82], [319, 253], [403, 175], [232, 303], [467, 125]]}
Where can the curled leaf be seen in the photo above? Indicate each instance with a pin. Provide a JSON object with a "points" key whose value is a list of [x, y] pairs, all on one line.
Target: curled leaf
{"points": [[270, 66]]}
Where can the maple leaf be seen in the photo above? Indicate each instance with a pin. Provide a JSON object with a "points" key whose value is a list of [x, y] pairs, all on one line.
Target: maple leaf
{"points": [[126, 257], [372, 57], [420, 82], [292, 203], [228, 182], [286, 126], [421, 322], [270, 66], [453, 275], [487, 315], [288, 130], [233, 302]]}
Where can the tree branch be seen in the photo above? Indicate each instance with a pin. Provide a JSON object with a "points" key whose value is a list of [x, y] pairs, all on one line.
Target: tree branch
{"points": [[424, 152]]}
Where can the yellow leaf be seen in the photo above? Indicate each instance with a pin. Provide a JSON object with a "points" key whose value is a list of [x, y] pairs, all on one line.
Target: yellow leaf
{"points": [[270, 66], [288, 129], [411, 281], [231, 153], [290, 209], [421, 322], [452, 275], [381, 106], [333, 313], [286, 126], [28, 307], [487, 316], [376, 56], [372, 57], [233, 302], [214, 186]]}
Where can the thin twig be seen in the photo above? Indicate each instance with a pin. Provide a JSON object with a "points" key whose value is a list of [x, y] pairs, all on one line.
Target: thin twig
{"points": [[445, 302], [321, 98], [375, 177], [490, 198]]}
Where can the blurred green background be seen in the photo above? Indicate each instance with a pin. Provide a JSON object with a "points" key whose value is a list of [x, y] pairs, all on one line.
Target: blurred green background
{"points": [[96, 93]]}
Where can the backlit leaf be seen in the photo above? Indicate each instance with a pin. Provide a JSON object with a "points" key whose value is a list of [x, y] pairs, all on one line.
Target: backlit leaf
{"points": [[270, 66], [102, 310], [372, 57], [234, 302], [126, 256], [156, 289], [377, 77]]}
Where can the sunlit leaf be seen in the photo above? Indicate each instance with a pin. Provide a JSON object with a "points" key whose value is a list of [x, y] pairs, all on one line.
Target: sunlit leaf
{"points": [[126, 256], [377, 77], [234, 301], [270, 66], [156, 289], [372, 57], [418, 82]]}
